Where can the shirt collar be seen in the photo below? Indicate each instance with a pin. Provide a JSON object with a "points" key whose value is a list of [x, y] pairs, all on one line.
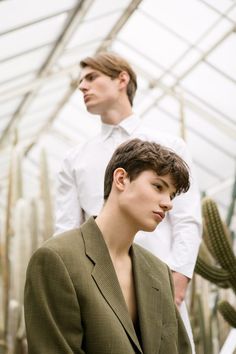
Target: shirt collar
{"points": [[128, 124]]}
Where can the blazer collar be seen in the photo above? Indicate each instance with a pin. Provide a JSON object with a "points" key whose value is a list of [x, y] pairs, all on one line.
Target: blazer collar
{"points": [[147, 288]]}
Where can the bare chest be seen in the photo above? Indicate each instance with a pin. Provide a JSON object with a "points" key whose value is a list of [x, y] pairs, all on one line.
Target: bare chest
{"points": [[126, 281]]}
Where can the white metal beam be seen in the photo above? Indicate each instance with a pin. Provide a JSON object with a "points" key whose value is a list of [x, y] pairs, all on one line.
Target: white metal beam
{"points": [[74, 20]]}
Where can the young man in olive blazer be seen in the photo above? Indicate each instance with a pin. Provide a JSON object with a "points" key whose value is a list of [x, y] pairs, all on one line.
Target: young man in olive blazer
{"points": [[91, 290]]}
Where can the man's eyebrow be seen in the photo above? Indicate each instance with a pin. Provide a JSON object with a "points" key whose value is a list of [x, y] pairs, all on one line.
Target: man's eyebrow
{"points": [[163, 181], [86, 76], [166, 185]]}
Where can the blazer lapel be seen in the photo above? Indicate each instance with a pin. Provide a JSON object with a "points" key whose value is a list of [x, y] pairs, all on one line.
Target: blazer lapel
{"points": [[148, 293], [105, 276]]}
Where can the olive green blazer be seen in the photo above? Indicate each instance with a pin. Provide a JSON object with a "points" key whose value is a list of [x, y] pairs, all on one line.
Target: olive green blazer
{"points": [[74, 303]]}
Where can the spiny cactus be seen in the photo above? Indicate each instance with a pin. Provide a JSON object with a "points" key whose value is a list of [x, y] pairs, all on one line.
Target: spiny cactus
{"points": [[207, 270], [202, 315], [14, 192], [27, 223], [228, 312], [217, 238], [46, 196], [20, 248], [214, 274]]}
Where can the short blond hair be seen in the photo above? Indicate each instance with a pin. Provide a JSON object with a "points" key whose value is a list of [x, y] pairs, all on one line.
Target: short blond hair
{"points": [[112, 65]]}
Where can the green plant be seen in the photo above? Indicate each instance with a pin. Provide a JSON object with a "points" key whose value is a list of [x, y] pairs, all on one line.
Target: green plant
{"points": [[217, 262]]}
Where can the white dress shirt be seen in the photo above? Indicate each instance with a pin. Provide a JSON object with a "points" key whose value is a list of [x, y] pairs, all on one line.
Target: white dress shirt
{"points": [[80, 194]]}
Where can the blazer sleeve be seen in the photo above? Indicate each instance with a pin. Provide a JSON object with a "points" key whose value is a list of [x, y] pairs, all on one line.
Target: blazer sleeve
{"points": [[52, 311]]}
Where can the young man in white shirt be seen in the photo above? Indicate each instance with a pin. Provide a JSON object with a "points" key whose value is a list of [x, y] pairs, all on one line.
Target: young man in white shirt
{"points": [[108, 84]]}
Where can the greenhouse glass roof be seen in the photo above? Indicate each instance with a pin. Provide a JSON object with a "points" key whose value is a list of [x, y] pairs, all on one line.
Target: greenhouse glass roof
{"points": [[184, 53]]}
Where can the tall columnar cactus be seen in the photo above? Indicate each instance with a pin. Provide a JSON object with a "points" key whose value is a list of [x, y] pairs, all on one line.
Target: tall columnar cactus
{"points": [[228, 312], [201, 316], [14, 192], [223, 272], [206, 268], [46, 196], [27, 223]]}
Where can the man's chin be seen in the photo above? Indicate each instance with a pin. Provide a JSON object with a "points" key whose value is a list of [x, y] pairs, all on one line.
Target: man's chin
{"points": [[92, 109], [149, 228]]}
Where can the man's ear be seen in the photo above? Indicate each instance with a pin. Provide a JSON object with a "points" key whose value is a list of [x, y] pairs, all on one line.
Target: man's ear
{"points": [[124, 79], [120, 178]]}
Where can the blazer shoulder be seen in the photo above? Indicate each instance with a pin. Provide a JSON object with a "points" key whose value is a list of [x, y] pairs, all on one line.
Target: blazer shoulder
{"points": [[65, 245]]}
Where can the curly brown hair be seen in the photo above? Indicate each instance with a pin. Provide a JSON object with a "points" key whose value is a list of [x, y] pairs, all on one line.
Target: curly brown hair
{"points": [[136, 156]]}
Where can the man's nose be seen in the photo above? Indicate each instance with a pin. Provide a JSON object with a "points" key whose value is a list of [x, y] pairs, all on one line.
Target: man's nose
{"points": [[166, 203], [83, 86]]}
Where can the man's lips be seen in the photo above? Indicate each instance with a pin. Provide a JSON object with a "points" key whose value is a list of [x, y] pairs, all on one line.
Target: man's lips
{"points": [[86, 98], [159, 214]]}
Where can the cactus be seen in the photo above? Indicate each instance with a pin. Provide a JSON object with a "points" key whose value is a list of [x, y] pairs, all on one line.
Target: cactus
{"points": [[201, 316], [228, 312], [13, 193], [46, 197], [36, 225], [223, 274], [218, 237], [27, 223], [214, 274], [21, 248], [207, 270]]}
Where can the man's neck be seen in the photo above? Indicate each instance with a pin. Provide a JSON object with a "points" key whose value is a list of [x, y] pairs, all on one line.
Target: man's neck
{"points": [[117, 232], [114, 117]]}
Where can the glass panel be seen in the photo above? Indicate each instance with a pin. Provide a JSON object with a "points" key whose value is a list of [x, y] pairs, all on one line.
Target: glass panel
{"points": [[162, 121], [187, 62], [221, 5], [40, 118], [38, 34], [75, 54], [205, 179], [158, 43], [232, 14], [9, 107], [29, 11], [139, 60], [4, 171], [210, 132], [210, 113], [166, 41], [77, 122], [180, 16], [220, 93], [103, 7], [216, 35], [213, 158], [91, 30], [16, 82], [24, 64], [224, 56]]}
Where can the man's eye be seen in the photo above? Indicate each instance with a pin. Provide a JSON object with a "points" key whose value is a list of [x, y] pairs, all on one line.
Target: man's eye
{"points": [[91, 77], [158, 186]]}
